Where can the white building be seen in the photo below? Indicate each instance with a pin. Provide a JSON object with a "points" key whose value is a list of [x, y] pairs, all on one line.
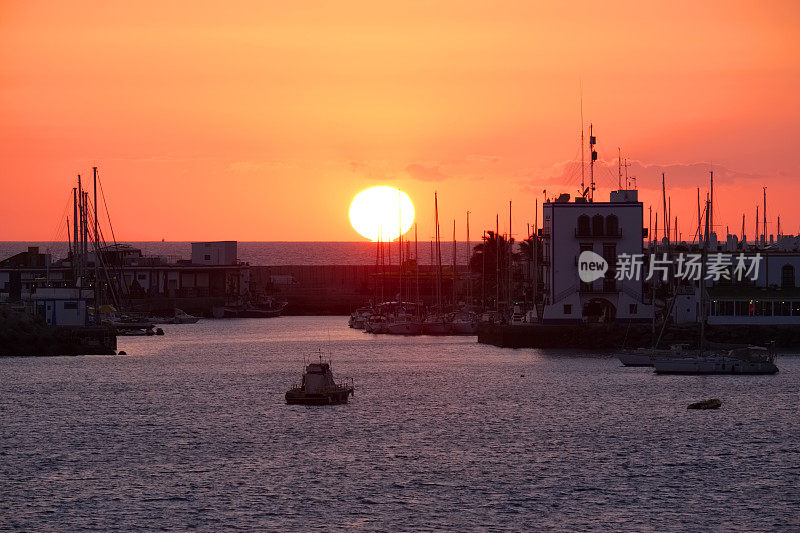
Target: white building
{"points": [[65, 306], [214, 253], [608, 229]]}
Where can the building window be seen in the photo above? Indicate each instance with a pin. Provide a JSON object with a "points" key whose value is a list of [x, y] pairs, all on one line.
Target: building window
{"points": [[70, 305], [742, 307], [583, 225], [207, 257], [723, 308], [597, 225], [782, 308], [567, 309], [787, 276], [612, 225], [634, 308]]}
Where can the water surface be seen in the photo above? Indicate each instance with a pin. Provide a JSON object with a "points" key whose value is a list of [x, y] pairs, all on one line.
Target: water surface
{"points": [[191, 431]]}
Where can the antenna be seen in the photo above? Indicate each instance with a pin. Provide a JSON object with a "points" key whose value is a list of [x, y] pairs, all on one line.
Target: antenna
{"points": [[583, 164], [619, 168], [764, 226]]}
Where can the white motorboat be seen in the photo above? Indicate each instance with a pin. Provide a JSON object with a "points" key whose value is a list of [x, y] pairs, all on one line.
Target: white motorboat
{"points": [[745, 360], [404, 327], [465, 323], [358, 318], [437, 325]]}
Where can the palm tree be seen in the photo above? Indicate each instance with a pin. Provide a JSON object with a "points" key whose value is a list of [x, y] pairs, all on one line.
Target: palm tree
{"points": [[484, 264]]}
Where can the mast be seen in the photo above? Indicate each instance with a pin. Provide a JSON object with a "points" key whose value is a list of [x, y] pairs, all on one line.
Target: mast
{"points": [[497, 261], [416, 265], [583, 148], [703, 283], [96, 253], [743, 241], [711, 205], [508, 264], [483, 273], [438, 253], [699, 219], [75, 231], [454, 263], [400, 245], [69, 239], [757, 233], [469, 267], [592, 159], [664, 204], [619, 168], [764, 225]]}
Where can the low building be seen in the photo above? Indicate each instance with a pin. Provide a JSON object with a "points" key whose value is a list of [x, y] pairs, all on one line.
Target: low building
{"points": [[62, 306], [214, 253]]}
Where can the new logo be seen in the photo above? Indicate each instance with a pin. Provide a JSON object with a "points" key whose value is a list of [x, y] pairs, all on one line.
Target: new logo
{"points": [[591, 266]]}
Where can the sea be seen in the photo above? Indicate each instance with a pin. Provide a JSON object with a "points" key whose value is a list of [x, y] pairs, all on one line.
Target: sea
{"points": [[190, 431], [277, 253]]}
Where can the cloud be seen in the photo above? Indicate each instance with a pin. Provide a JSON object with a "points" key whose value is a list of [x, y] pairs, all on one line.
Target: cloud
{"points": [[566, 175], [425, 172]]}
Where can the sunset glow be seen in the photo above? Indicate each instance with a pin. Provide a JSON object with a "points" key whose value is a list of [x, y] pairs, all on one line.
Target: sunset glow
{"points": [[246, 109], [381, 213]]}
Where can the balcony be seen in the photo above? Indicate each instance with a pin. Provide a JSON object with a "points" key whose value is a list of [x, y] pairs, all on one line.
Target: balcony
{"points": [[582, 233], [607, 286]]}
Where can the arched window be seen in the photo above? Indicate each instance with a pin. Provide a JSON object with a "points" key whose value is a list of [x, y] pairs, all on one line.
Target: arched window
{"points": [[787, 276], [612, 225], [583, 225], [597, 225]]}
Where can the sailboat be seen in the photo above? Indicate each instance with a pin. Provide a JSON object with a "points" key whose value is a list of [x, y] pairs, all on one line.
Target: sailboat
{"points": [[437, 323], [710, 358]]}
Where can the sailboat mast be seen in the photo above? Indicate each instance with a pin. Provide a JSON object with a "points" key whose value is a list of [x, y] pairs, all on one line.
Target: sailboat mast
{"points": [[497, 261], [469, 269], [508, 264], [438, 253], [483, 273], [400, 246], [583, 148], [454, 263], [703, 282], [96, 252], [592, 158], [764, 225], [416, 268], [75, 231]]}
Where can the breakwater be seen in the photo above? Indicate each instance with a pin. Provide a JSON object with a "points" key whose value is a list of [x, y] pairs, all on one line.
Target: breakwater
{"points": [[614, 336], [23, 335]]}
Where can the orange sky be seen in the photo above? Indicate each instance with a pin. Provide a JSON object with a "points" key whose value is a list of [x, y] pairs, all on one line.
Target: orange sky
{"points": [[260, 121]]}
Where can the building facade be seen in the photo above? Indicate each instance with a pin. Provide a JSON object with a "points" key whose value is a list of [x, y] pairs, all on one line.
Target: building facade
{"points": [[608, 229]]}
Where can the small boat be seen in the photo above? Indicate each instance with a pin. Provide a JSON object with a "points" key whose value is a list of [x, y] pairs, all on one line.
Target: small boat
{"points": [[744, 360], [437, 325], [465, 323], [376, 323], [319, 388], [358, 318], [711, 403], [181, 317], [405, 327], [269, 310]]}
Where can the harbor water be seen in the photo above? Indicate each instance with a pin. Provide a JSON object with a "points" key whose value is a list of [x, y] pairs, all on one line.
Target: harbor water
{"points": [[190, 430]]}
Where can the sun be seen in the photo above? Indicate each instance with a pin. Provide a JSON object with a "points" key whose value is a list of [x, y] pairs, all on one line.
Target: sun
{"points": [[381, 213]]}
